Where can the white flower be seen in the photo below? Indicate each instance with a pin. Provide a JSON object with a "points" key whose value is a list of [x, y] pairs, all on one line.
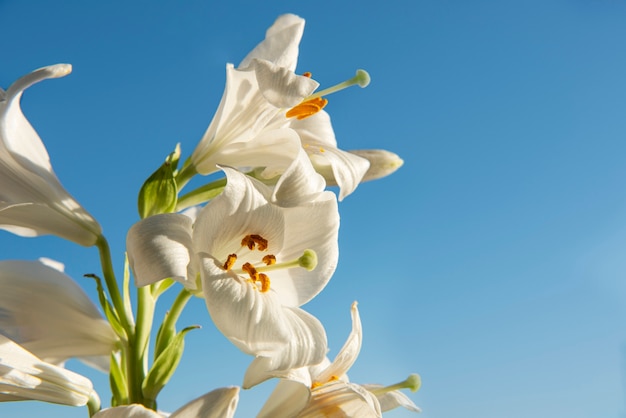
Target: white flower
{"points": [[220, 403], [261, 253], [32, 201], [48, 314], [324, 389], [267, 112], [23, 376]]}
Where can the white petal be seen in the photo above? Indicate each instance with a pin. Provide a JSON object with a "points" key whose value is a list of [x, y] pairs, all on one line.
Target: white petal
{"points": [[281, 86], [382, 162], [243, 113], [287, 399], [23, 376], [240, 210], [158, 248], [128, 411], [49, 314], [312, 226], [299, 183], [273, 149], [348, 353], [220, 403], [281, 338], [26, 176], [343, 168], [393, 399], [281, 43], [339, 399]]}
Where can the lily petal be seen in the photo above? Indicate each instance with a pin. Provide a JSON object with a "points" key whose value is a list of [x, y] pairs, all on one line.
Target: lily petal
{"points": [[128, 411], [339, 399], [220, 403], [46, 312], [32, 200], [348, 353], [337, 166], [287, 399], [158, 248], [393, 399], [281, 43], [281, 338], [23, 376]]}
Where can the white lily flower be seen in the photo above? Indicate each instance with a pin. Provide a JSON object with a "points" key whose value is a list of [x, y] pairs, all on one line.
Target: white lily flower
{"points": [[261, 253], [32, 200], [23, 376], [326, 391], [264, 102], [220, 403], [47, 313]]}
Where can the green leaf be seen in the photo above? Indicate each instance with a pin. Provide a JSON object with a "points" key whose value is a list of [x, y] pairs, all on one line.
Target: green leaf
{"points": [[159, 194], [109, 312], [119, 387], [165, 365]]}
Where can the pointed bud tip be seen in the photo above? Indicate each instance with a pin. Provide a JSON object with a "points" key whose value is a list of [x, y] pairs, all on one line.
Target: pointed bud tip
{"points": [[363, 78]]}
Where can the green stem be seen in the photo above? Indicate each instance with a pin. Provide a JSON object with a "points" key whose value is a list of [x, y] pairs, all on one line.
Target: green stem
{"points": [[177, 308], [111, 283], [185, 174], [201, 194], [93, 405], [139, 344]]}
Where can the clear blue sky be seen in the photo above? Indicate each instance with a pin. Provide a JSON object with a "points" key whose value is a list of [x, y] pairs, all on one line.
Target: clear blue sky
{"points": [[492, 263]]}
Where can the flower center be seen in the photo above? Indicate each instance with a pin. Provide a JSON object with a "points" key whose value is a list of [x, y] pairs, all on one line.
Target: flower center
{"points": [[256, 270], [314, 103]]}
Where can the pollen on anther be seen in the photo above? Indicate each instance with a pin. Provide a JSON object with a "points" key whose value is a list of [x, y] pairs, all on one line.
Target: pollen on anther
{"points": [[230, 261], [249, 268], [307, 74], [253, 240], [265, 282], [269, 259], [307, 108]]}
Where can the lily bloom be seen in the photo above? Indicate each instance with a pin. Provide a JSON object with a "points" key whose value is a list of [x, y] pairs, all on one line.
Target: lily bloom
{"points": [[324, 389], [260, 252], [32, 200], [267, 112], [23, 376], [48, 314], [220, 403]]}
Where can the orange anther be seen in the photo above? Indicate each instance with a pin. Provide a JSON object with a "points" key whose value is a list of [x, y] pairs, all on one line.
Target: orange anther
{"points": [[260, 241], [307, 74], [253, 240], [307, 108], [269, 259], [230, 262], [249, 268], [265, 282]]}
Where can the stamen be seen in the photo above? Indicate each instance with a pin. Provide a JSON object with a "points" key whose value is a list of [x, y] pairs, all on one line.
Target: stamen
{"points": [[307, 74], [265, 282], [307, 108], [252, 272], [251, 241], [230, 261], [413, 383], [362, 78], [269, 259]]}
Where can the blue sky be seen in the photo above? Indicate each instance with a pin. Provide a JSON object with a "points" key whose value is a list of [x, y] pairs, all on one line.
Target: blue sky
{"points": [[492, 262]]}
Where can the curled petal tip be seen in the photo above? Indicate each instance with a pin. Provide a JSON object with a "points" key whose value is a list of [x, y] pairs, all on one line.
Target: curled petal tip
{"points": [[59, 70]]}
